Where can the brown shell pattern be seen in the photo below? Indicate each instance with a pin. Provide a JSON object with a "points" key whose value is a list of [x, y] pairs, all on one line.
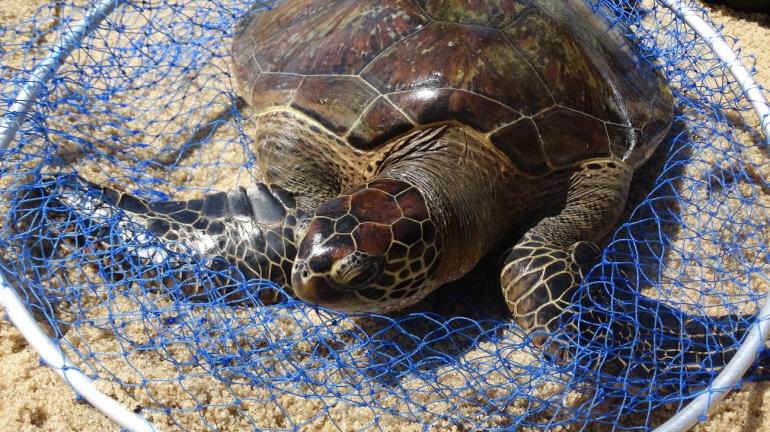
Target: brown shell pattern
{"points": [[547, 80]]}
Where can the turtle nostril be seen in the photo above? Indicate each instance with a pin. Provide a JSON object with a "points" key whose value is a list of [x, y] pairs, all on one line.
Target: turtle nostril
{"points": [[314, 289], [301, 269]]}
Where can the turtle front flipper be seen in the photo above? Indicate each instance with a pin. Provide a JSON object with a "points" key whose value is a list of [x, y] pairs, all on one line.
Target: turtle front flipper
{"points": [[248, 229], [542, 271]]}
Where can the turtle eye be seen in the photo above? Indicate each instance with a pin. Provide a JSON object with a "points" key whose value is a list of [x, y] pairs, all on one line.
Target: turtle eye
{"points": [[300, 230], [356, 270]]}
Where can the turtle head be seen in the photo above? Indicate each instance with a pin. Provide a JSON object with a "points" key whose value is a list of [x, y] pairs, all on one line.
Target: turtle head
{"points": [[371, 249]]}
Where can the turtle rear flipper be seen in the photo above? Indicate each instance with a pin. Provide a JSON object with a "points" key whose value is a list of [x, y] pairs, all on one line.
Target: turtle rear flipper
{"points": [[661, 340], [249, 230], [29, 217]]}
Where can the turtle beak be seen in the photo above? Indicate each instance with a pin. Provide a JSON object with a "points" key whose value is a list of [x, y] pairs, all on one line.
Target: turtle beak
{"points": [[314, 289]]}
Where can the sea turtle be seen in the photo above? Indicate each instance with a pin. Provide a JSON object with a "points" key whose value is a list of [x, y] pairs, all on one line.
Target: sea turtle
{"points": [[402, 140], [417, 135]]}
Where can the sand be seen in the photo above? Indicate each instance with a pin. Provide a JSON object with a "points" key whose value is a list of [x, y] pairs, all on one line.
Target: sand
{"points": [[33, 397]]}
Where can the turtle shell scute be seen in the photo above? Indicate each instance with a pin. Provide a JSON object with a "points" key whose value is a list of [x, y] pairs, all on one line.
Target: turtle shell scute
{"points": [[550, 85]]}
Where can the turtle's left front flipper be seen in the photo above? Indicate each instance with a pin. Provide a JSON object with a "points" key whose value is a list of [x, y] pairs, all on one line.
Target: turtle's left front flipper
{"points": [[678, 349], [543, 272], [251, 230]]}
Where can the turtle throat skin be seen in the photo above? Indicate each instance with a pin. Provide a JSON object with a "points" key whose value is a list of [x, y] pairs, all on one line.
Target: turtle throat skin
{"points": [[429, 212]]}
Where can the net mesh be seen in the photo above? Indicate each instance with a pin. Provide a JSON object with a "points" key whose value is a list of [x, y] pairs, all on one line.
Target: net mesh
{"points": [[146, 105]]}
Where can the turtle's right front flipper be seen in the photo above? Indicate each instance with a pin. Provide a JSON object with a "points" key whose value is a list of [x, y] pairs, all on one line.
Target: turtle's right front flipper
{"points": [[251, 229]]}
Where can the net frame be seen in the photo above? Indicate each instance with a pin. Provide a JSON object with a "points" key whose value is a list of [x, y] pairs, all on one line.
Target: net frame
{"points": [[699, 409], [22, 318]]}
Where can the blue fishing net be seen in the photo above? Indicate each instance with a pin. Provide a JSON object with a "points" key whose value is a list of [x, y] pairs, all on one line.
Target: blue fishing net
{"points": [[146, 105]]}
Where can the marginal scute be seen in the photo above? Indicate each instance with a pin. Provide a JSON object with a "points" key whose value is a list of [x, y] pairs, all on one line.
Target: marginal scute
{"points": [[493, 13], [380, 122], [585, 138], [654, 131], [521, 142], [622, 139], [470, 58], [265, 24], [245, 65], [435, 105], [271, 89], [335, 101], [640, 154]]}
